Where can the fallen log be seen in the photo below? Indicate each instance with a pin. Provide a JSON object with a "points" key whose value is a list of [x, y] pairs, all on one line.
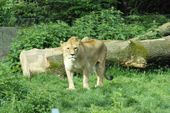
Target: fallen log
{"points": [[40, 60], [139, 53], [130, 53]]}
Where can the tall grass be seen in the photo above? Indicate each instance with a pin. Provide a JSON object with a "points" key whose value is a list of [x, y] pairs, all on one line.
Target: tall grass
{"points": [[131, 91]]}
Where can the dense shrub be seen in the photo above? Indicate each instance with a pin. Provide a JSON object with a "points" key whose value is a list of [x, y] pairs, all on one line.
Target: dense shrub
{"points": [[110, 24], [148, 20], [27, 12], [7, 17], [101, 25]]}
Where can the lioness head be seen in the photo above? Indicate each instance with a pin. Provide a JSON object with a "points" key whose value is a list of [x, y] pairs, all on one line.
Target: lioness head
{"points": [[71, 48]]}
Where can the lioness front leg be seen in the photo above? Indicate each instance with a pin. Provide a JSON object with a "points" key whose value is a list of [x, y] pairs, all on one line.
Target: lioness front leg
{"points": [[85, 79], [70, 80]]}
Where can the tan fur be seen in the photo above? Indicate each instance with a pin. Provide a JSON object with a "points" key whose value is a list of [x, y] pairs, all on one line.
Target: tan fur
{"points": [[83, 56]]}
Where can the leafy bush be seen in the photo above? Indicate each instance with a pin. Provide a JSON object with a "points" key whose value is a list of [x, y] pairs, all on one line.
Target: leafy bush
{"points": [[7, 17], [110, 24], [149, 24], [148, 21], [37, 36], [27, 12], [101, 25]]}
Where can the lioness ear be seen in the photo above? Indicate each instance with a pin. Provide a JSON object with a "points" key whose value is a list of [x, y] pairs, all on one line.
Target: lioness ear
{"points": [[76, 38], [79, 41], [61, 43]]}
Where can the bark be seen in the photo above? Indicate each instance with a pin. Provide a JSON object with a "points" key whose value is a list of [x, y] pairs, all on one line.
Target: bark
{"points": [[139, 53], [164, 29]]}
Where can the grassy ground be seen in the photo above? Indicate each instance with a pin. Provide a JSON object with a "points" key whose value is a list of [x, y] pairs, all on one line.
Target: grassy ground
{"points": [[131, 91]]}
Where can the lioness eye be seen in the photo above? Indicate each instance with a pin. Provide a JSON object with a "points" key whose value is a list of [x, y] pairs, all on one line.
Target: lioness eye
{"points": [[75, 48], [68, 48]]}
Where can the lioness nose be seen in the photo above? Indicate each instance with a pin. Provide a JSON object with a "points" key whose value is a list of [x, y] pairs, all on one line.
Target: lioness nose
{"points": [[72, 54]]}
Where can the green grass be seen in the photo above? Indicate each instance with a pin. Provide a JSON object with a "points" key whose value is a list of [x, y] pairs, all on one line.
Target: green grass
{"points": [[131, 91]]}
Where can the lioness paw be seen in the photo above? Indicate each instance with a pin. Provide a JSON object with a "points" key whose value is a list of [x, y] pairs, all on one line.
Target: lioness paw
{"points": [[86, 88], [70, 89], [97, 85]]}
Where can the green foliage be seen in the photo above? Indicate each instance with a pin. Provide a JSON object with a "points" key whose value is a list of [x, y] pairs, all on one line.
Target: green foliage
{"points": [[101, 25], [27, 12], [106, 24], [4, 70], [147, 21], [144, 25], [6, 14], [110, 24], [38, 36], [130, 91]]}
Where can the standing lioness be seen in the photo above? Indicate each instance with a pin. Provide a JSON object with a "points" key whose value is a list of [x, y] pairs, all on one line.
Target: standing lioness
{"points": [[84, 56]]}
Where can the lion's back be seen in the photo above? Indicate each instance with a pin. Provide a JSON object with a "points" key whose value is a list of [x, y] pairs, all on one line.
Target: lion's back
{"points": [[96, 46]]}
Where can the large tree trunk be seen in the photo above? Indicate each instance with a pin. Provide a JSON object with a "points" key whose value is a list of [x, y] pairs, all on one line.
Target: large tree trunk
{"points": [[131, 53], [139, 54]]}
